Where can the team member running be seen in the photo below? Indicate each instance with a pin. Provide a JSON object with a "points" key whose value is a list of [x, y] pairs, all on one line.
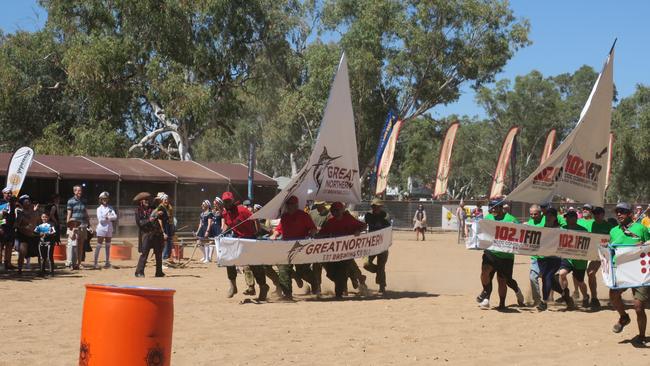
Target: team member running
{"points": [[577, 266], [625, 234], [598, 226], [500, 263], [549, 265], [377, 219]]}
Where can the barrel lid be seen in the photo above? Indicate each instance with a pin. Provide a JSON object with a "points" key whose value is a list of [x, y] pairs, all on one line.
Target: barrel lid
{"points": [[141, 290]]}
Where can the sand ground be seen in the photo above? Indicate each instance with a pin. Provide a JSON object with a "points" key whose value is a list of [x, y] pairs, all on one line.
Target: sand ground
{"points": [[428, 317]]}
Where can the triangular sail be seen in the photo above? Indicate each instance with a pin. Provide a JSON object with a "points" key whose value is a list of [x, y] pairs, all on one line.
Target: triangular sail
{"points": [[332, 172], [577, 168]]}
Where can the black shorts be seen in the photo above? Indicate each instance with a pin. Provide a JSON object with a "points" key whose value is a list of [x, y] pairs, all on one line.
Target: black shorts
{"points": [[502, 266], [579, 274], [32, 243]]}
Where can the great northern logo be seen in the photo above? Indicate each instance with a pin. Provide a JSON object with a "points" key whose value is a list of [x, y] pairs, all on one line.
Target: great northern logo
{"points": [[331, 177], [295, 249]]}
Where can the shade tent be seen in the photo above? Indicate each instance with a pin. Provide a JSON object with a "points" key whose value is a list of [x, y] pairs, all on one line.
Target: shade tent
{"points": [[134, 169], [37, 169], [124, 176], [238, 173]]}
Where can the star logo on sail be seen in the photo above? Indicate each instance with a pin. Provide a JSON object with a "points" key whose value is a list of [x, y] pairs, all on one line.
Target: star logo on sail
{"points": [[295, 249]]}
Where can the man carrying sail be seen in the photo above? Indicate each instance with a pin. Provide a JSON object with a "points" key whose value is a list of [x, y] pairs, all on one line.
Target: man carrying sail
{"points": [[342, 223], [237, 218], [536, 219], [295, 224], [500, 263]]}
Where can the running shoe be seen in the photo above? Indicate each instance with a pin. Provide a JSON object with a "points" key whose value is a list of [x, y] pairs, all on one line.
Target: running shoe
{"points": [[621, 323], [595, 304], [485, 304], [585, 302], [542, 306]]}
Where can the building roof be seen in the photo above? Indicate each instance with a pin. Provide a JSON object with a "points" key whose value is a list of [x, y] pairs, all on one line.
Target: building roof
{"points": [[134, 169]]}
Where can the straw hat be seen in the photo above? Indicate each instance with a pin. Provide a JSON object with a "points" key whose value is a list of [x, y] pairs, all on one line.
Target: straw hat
{"points": [[141, 196], [376, 202]]}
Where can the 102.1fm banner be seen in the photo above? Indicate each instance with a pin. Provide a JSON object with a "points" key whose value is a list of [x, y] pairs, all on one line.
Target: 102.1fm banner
{"points": [[532, 240]]}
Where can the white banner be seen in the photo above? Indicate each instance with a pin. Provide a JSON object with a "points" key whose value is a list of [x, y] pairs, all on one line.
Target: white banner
{"points": [[449, 218], [19, 164], [332, 172], [626, 266], [532, 240], [577, 168], [239, 252]]}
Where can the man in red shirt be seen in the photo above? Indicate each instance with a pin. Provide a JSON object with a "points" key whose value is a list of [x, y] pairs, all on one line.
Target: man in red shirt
{"points": [[236, 218], [340, 224], [295, 224]]}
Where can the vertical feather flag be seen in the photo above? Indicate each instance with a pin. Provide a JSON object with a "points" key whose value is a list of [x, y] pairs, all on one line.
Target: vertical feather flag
{"points": [[383, 139], [444, 163], [498, 181], [387, 159], [548, 145]]}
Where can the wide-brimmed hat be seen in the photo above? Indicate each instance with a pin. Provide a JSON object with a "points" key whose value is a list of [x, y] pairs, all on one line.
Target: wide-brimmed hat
{"points": [[376, 202], [142, 196]]}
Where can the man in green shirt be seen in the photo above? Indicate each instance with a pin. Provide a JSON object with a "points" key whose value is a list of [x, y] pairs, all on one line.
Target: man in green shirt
{"points": [[545, 206], [577, 266], [587, 216], [598, 226], [629, 233], [536, 219], [500, 263]]}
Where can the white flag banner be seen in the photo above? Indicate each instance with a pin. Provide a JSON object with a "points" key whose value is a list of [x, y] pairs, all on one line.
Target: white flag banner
{"points": [[332, 172], [237, 252], [626, 266], [533, 240], [387, 159], [19, 164], [577, 168]]}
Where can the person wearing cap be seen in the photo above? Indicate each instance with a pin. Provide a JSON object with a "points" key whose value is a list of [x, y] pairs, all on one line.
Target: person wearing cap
{"points": [[420, 222], [499, 263], [638, 213], [167, 220], [319, 213], [27, 218], [628, 233], [576, 266], [150, 235], [545, 206], [342, 223], [587, 216], [377, 219], [598, 226], [76, 210], [204, 230], [236, 218], [104, 230], [7, 227], [295, 224], [536, 219]]}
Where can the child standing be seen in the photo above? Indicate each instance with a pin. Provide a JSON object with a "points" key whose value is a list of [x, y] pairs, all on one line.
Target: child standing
{"points": [[71, 248], [46, 232], [105, 217]]}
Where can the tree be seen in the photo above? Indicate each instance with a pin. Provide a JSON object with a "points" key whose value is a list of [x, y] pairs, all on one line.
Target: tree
{"points": [[631, 160], [168, 70]]}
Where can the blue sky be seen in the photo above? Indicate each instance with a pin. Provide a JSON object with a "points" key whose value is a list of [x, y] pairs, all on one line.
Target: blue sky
{"points": [[566, 35]]}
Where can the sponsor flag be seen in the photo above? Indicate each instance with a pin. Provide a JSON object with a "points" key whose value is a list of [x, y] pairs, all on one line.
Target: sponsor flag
{"points": [[499, 179], [577, 168], [332, 171], [548, 145], [19, 164], [610, 154], [444, 163], [391, 119], [387, 159]]}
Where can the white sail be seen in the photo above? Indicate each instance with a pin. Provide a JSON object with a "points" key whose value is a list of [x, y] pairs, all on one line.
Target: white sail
{"points": [[332, 172], [577, 168]]}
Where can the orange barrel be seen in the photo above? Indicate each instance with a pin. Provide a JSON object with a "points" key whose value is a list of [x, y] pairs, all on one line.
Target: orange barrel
{"points": [[125, 325], [59, 252], [121, 252], [177, 252]]}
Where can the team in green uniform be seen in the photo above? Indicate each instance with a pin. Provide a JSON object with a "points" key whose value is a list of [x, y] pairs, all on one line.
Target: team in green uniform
{"points": [[625, 234], [498, 263]]}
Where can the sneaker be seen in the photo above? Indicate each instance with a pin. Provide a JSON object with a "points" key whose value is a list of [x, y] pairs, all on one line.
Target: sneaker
{"points": [[520, 298], [621, 323], [139, 274], [639, 341], [485, 304], [595, 304], [96, 266], [542, 306], [585, 302], [107, 266], [164, 266]]}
